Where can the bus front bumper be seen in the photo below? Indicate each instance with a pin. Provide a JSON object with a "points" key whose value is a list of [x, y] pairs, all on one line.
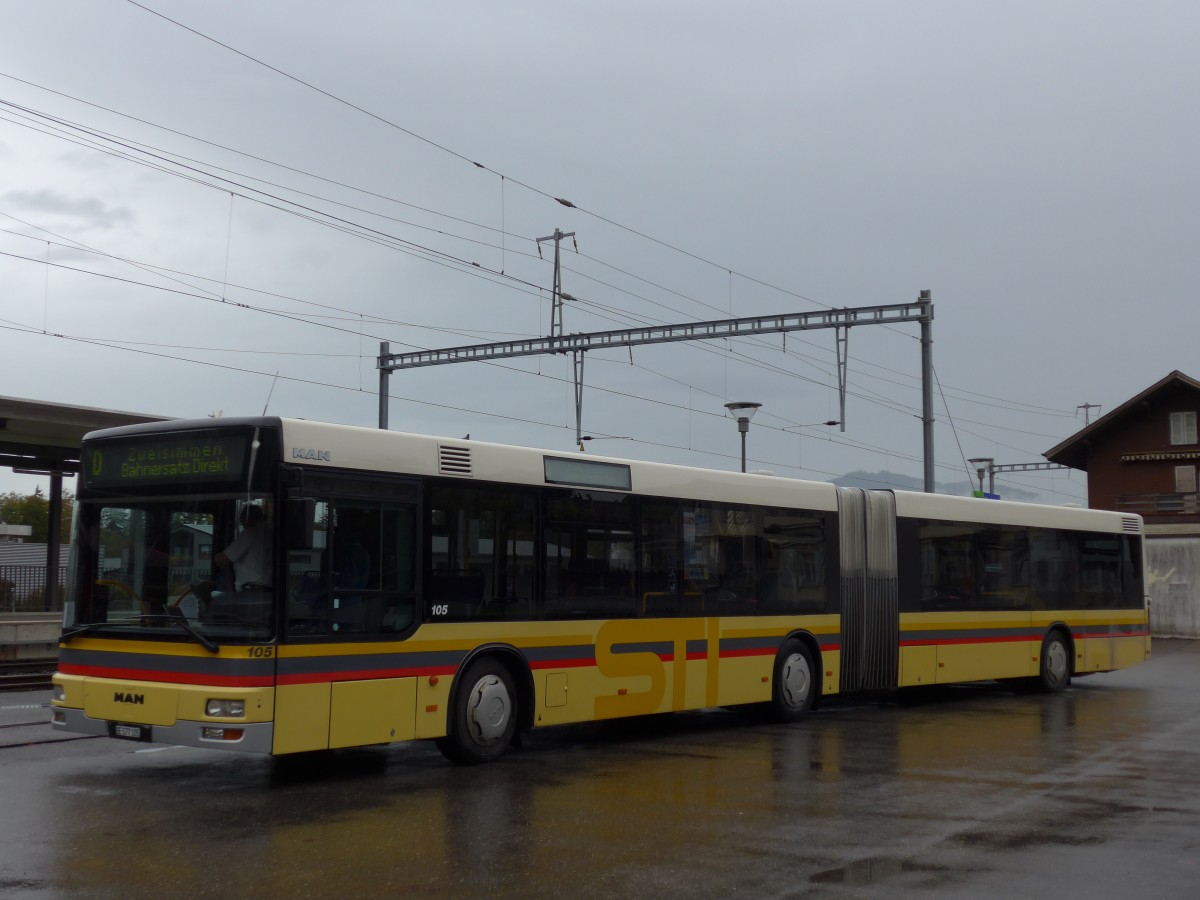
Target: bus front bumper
{"points": [[249, 737]]}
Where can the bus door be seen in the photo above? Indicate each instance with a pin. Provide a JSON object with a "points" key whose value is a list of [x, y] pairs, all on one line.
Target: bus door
{"points": [[351, 601], [869, 590]]}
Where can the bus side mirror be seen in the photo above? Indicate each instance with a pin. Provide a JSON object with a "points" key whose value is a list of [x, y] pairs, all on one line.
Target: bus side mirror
{"points": [[299, 523]]}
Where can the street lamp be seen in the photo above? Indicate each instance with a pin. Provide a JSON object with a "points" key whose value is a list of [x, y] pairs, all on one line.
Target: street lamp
{"points": [[743, 412], [984, 464]]}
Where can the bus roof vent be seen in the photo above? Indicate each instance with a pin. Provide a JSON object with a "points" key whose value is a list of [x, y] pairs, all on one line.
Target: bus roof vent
{"points": [[454, 460], [1130, 525]]}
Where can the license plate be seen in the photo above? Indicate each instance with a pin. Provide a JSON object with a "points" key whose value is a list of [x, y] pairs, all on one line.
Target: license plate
{"points": [[129, 732]]}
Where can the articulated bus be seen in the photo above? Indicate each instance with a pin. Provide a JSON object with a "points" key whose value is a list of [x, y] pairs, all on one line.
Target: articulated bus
{"points": [[284, 586]]}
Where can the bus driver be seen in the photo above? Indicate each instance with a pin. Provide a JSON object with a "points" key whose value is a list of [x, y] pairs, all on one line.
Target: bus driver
{"points": [[249, 554]]}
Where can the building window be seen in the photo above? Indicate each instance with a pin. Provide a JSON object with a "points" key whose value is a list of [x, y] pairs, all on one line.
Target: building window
{"points": [[1183, 428], [1185, 479]]}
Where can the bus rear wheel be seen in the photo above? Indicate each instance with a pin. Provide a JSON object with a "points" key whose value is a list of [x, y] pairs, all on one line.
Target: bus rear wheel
{"points": [[795, 685], [1055, 672], [483, 716]]}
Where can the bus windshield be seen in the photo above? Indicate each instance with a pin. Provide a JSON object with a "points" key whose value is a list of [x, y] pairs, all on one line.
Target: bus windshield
{"points": [[186, 567]]}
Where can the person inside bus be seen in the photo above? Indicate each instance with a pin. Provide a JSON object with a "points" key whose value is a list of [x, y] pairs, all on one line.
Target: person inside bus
{"points": [[248, 556]]}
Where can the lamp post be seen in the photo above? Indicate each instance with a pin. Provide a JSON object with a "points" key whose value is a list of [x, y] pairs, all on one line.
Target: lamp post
{"points": [[984, 464], [743, 412]]}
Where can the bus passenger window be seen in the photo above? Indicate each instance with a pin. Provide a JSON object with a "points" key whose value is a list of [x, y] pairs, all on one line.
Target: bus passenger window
{"points": [[1054, 569], [1004, 568], [480, 553], [793, 563], [360, 576], [660, 565], [949, 576], [589, 555]]}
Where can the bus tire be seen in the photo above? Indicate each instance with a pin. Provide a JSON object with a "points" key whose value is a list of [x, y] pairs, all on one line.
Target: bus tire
{"points": [[483, 714], [1054, 674], [794, 688]]}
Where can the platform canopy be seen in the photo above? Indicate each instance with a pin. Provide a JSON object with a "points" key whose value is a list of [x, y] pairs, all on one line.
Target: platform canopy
{"points": [[44, 438]]}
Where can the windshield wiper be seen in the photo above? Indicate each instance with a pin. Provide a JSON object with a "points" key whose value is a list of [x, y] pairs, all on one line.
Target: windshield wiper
{"points": [[66, 636], [177, 619], [180, 619]]}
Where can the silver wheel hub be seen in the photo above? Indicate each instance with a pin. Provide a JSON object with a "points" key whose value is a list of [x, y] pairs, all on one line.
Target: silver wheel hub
{"points": [[489, 709], [1056, 661], [796, 680]]}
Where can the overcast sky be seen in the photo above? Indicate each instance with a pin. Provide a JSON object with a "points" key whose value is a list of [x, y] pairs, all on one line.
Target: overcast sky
{"points": [[189, 228]]}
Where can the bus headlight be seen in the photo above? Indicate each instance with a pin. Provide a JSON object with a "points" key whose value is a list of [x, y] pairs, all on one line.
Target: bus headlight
{"points": [[225, 709], [59, 693]]}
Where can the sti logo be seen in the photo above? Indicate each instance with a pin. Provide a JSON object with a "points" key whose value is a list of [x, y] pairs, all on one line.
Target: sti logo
{"points": [[302, 453]]}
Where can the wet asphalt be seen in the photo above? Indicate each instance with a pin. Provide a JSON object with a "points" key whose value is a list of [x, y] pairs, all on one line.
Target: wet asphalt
{"points": [[977, 791]]}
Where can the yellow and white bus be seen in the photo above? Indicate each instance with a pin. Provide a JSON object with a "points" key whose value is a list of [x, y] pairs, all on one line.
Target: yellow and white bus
{"points": [[283, 586]]}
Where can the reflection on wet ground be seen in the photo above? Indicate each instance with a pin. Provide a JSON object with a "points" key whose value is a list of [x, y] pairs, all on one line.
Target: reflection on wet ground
{"points": [[979, 791]]}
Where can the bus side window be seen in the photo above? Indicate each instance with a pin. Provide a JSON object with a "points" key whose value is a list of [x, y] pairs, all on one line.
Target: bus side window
{"points": [[949, 577], [480, 553], [589, 552], [360, 577], [308, 572], [660, 557]]}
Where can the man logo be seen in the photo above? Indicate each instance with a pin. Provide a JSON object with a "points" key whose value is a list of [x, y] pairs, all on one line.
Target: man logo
{"points": [[302, 453], [124, 697]]}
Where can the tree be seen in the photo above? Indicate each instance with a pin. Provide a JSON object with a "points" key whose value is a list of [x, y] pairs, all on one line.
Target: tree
{"points": [[34, 510]]}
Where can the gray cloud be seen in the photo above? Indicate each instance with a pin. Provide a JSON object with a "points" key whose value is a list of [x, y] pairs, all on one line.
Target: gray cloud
{"points": [[93, 212]]}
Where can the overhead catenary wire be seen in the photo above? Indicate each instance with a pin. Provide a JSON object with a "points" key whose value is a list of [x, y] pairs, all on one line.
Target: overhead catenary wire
{"points": [[1000, 404], [214, 299], [444, 406], [573, 206]]}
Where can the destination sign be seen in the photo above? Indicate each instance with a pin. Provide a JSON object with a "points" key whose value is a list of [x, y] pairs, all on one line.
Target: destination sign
{"points": [[173, 460]]}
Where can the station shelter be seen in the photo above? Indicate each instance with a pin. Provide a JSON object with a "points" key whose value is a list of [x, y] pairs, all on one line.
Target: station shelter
{"points": [[40, 438]]}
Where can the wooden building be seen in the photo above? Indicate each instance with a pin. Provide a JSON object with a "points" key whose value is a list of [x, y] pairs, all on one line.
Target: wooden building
{"points": [[1142, 457]]}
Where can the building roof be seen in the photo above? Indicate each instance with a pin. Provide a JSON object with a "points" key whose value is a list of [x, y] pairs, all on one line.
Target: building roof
{"points": [[1073, 452], [45, 437]]}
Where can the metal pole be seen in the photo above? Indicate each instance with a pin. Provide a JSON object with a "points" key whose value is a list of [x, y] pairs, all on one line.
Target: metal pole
{"points": [[384, 373], [556, 294], [50, 595], [743, 427], [841, 339], [578, 354], [926, 302]]}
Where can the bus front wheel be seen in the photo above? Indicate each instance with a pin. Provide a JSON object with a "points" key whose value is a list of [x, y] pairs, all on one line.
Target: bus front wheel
{"points": [[483, 718], [795, 687], [1055, 672]]}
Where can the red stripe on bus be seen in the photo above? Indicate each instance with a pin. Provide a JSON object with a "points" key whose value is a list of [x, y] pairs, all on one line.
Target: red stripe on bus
{"points": [[573, 663], [754, 651], [1011, 639], [949, 642], [167, 677], [362, 675]]}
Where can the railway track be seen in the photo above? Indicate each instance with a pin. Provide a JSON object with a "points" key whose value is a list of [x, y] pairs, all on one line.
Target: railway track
{"points": [[26, 676]]}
